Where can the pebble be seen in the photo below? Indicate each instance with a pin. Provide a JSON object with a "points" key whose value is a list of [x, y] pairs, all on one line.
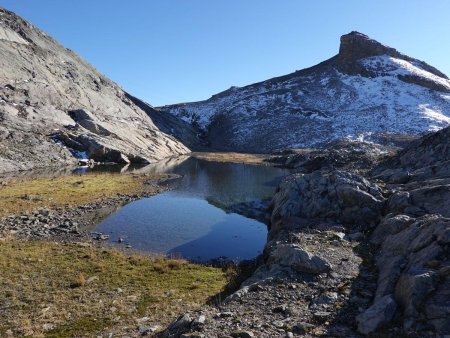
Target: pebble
{"points": [[224, 315], [145, 330], [242, 334]]}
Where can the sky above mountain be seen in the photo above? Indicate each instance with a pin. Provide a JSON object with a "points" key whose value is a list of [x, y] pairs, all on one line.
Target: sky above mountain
{"points": [[175, 51]]}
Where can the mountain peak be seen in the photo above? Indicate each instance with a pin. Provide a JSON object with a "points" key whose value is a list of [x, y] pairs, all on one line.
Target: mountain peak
{"points": [[356, 45]]}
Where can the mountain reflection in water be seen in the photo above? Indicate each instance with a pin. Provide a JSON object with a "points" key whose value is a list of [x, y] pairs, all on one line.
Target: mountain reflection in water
{"points": [[196, 220]]}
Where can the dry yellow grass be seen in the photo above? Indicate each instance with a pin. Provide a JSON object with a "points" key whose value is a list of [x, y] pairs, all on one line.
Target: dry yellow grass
{"points": [[233, 157], [39, 298], [26, 194]]}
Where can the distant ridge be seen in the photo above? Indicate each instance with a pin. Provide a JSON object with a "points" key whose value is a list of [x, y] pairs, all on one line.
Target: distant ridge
{"points": [[367, 91]]}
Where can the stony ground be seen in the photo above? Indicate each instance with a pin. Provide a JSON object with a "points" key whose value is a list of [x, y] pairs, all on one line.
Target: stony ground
{"points": [[293, 303]]}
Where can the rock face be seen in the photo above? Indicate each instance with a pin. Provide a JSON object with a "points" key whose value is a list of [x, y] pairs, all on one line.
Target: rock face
{"points": [[353, 95], [55, 107], [356, 46], [403, 203], [339, 196], [413, 237], [358, 245]]}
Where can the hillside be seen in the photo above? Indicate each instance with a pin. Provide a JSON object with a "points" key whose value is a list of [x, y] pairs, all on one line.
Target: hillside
{"points": [[367, 91], [55, 107]]}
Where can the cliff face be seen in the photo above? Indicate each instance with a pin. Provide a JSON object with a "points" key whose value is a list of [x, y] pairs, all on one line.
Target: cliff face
{"points": [[367, 91], [55, 107]]}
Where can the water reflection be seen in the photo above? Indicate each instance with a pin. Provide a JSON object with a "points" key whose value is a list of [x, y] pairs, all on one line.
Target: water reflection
{"points": [[198, 219]]}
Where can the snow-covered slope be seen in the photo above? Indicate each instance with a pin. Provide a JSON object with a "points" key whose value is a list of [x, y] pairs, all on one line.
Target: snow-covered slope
{"points": [[367, 90]]}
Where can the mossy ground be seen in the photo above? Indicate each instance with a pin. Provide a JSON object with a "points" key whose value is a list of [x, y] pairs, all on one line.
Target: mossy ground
{"points": [[26, 194], [257, 159], [50, 289]]}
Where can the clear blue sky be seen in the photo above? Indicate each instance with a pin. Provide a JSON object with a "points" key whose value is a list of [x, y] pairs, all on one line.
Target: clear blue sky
{"points": [[169, 51]]}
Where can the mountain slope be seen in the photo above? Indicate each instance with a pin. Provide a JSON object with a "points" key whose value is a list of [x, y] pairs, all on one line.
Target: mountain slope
{"points": [[368, 90], [54, 105]]}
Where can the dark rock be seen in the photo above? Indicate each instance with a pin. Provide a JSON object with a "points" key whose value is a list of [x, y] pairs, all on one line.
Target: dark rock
{"points": [[355, 236], [379, 314], [303, 328], [412, 289], [180, 325], [390, 226], [242, 334]]}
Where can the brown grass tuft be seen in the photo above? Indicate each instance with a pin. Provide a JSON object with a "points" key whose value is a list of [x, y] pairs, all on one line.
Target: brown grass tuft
{"points": [[78, 282]]}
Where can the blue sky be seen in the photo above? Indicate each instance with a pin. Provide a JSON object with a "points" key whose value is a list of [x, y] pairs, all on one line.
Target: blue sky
{"points": [[169, 51]]}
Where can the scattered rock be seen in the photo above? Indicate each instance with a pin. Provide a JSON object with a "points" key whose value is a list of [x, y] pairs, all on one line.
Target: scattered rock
{"points": [[179, 325]]}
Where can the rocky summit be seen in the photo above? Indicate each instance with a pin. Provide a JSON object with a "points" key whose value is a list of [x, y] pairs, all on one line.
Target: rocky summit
{"points": [[55, 108], [367, 91]]}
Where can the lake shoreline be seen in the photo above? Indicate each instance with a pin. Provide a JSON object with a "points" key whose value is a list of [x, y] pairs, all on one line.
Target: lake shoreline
{"points": [[40, 226], [71, 217]]}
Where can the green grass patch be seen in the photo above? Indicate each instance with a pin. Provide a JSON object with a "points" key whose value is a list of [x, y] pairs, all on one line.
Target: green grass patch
{"points": [[85, 325], [26, 194], [49, 289]]}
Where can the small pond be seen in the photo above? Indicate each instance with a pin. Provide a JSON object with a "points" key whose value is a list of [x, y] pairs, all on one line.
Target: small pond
{"points": [[211, 213]]}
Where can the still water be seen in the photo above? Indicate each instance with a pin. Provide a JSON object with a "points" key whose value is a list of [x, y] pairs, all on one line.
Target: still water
{"points": [[203, 217]]}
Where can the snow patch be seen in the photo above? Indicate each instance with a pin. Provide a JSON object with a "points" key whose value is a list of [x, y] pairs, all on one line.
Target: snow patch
{"points": [[80, 155]]}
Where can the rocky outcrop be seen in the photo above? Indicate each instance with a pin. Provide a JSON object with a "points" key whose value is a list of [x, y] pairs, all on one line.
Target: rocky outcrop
{"points": [[413, 237], [343, 155], [428, 157], [402, 204], [48, 94], [356, 46], [379, 314], [339, 196]]}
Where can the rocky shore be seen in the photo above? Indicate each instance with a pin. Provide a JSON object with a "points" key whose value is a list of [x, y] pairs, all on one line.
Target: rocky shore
{"points": [[358, 245], [76, 222]]}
